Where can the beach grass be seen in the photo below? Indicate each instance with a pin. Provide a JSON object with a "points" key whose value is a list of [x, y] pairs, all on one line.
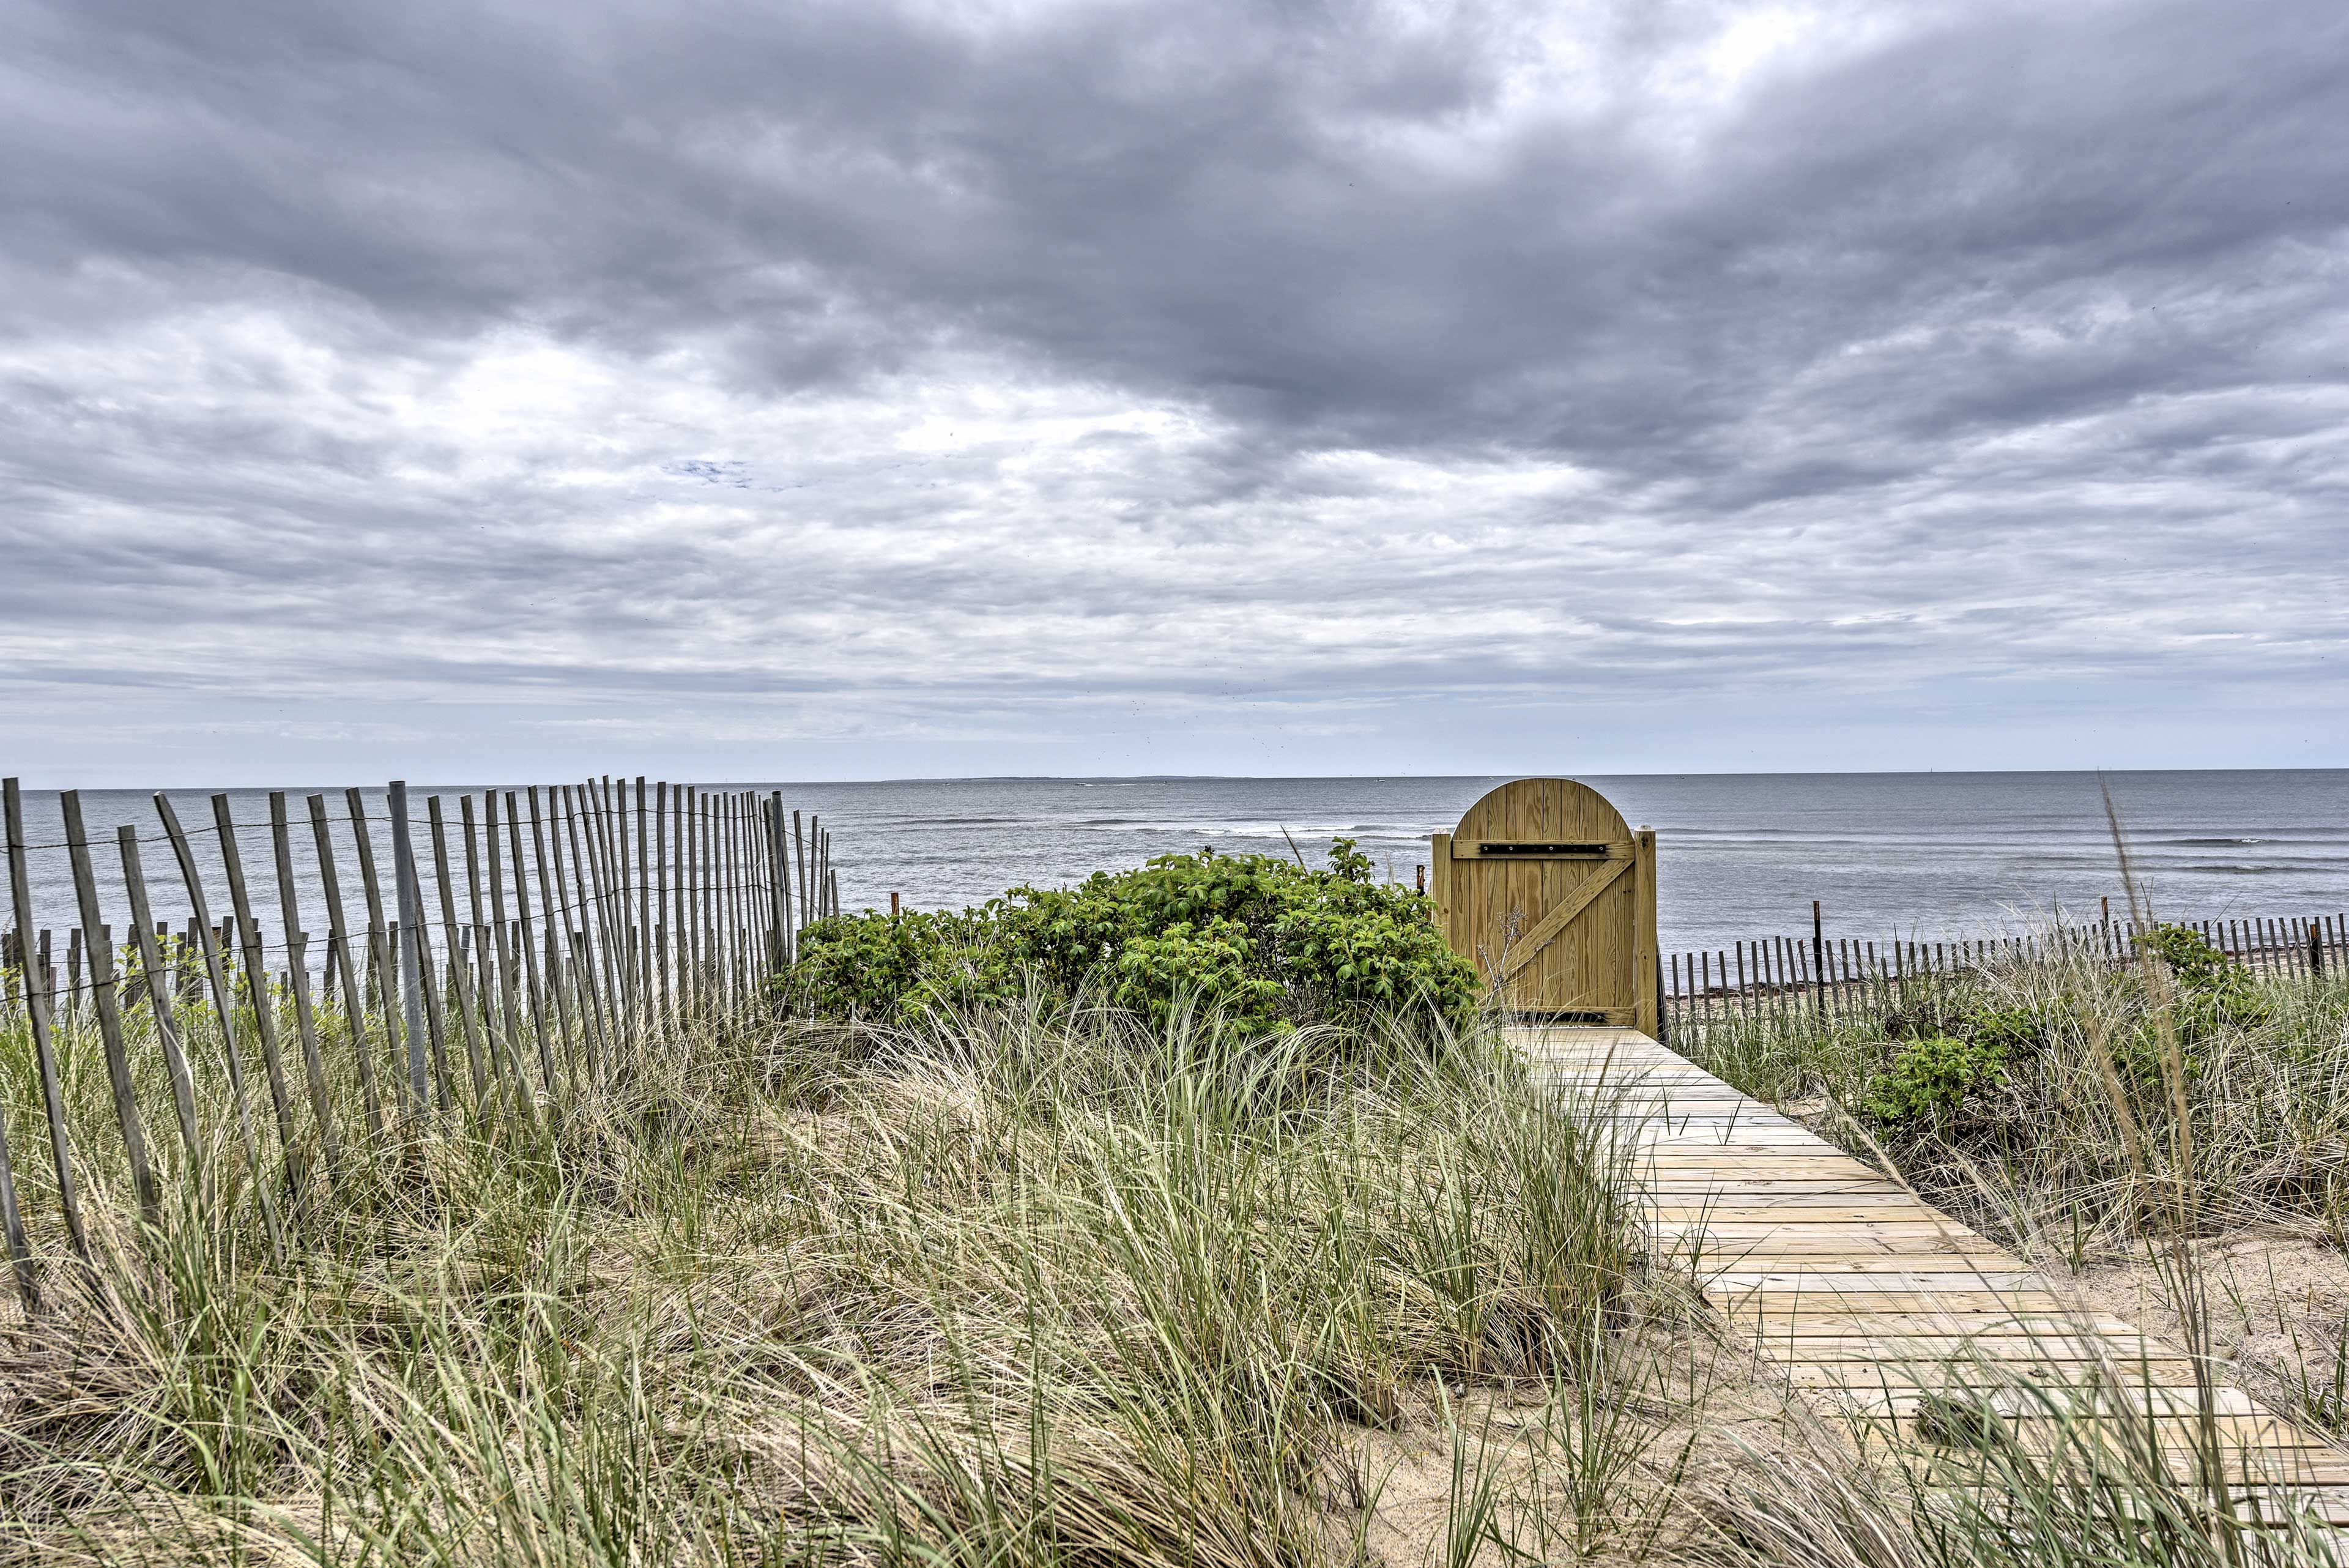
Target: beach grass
{"points": [[2077, 1102], [1000, 1289], [1021, 1285]]}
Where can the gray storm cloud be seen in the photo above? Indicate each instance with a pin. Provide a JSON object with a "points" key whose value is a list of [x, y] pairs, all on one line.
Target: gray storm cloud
{"points": [[935, 388]]}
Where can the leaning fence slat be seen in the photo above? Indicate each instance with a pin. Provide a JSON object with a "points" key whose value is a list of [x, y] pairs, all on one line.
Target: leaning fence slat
{"points": [[603, 839], [729, 875], [779, 888], [509, 983], [588, 941], [713, 838], [478, 922], [538, 1007], [109, 1017], [461, 989], [729, 893], [73, 974], [12, 1217], [689, 889], [697, 895], [1678, 1004], [11, 1225], [754, 886], [680, 937], [696, 877], [578, 948], [38, 992], [606, 1028], [488, 989], [800, 870], [159, 1001], [212, 948], [729, 887], [256, 990], [595, 823], [613, 819], [579, 837], [382, 957], [722, 819], [595, 884], [713, 824], [338, 962], [644, 891], [656, 922], [297, 961], [1793, 990], [622, 888], [748, 903], [557, 966], [688, 898], [418, 996]]}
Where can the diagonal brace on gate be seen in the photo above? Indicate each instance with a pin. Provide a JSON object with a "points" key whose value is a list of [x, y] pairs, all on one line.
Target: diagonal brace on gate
{"points": [[1618, 861]]}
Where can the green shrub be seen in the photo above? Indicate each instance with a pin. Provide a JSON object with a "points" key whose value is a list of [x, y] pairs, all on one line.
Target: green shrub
{"points": [[1948, 1049], [2010, 1031], [871, 966], [2218, 990], [1930, 1076], [1269, 942]]}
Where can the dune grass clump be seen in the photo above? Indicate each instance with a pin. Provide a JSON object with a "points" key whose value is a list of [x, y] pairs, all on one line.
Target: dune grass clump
{"points": [[990, 1289]]}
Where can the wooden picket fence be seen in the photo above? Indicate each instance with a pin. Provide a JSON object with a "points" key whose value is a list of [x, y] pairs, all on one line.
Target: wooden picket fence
{"points": [[510, 957], [1842, 978]]}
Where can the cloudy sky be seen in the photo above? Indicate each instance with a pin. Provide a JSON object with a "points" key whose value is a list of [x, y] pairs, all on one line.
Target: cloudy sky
{"points": [[807, 390]]}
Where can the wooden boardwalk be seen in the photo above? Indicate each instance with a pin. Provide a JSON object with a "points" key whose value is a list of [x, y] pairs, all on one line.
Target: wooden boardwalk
{"points": [[1878, 1303]]}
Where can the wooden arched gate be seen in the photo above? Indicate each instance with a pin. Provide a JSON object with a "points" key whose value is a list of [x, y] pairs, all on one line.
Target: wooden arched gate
{"points": [[1545, 889]]}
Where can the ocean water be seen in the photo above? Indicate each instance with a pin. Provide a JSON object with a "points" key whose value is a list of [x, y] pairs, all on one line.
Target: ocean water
{"points": [[1929, 855]]}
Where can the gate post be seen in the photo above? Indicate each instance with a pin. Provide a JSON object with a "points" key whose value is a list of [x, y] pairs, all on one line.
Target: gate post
{"points": [[1646, 960], [1439, 885]]}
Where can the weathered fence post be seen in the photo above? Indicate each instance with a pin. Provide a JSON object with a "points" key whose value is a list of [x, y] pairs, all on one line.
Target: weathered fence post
{"points": [[340, 966], [109, 1017], [460, 979], [159, 1000], [779, 882], [1818, 958], [256, 992], [412, 961], [38, 986], [297, 956]]}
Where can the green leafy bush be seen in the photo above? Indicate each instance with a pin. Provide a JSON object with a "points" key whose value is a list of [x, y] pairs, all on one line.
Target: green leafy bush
{"points": [[2216, 989], [1270, 942], [1930, 1076], [1951, 1049], [2012, 1030]]}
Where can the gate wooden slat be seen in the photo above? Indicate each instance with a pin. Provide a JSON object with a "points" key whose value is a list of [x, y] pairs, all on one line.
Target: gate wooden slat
{"points": [[1528, 946]]}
